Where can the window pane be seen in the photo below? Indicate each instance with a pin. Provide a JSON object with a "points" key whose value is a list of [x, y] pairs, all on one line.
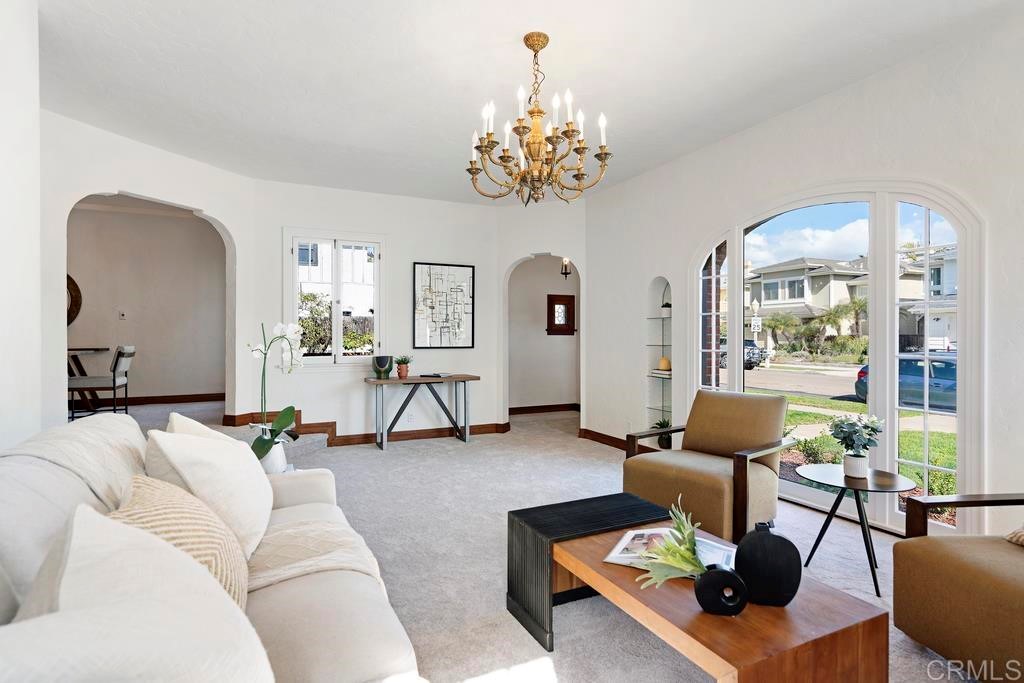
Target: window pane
{"points": [[941, 231], [915, 474], [942, 484], [357, 300], [911, 328], [911, 383], [910, 441], [560, 314], [795, 289], [911, 226], [942, 440], [314, 275]]}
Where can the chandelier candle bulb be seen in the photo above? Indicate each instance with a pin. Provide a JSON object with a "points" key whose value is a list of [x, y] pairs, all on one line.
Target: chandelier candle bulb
{"points": [[521, 96], [472, 146], [556, 102], [579, 122], [490, 116], [602, 123], [568, 105], [508, 132]]}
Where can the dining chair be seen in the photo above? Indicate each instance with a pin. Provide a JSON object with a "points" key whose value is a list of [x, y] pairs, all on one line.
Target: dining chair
{"points": [[118, 378]]}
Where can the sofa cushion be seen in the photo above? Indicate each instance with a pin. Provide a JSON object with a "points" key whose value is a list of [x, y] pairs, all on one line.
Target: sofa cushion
{"points": [[705, 482], [308, 512], [171, 513], [303, 486], [90, 461], [179, 424], [97, 614], [223, 474], [331, 626]]}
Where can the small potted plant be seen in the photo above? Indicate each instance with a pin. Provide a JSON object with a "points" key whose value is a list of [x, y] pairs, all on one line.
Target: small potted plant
{"points": [[856, 435], [666, 309], [664, 440], [402, 363]]}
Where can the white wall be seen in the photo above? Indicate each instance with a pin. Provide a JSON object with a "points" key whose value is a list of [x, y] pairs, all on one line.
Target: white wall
{"points": [[165, 272], [80, 160], [951, 118], [543, 368], [19, 195]]}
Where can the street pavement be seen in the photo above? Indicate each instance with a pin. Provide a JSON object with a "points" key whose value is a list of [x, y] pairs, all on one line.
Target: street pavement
{"points": [[831, 382]]}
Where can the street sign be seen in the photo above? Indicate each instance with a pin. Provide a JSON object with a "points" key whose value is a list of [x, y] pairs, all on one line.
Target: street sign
{"points": [[755, 323]]}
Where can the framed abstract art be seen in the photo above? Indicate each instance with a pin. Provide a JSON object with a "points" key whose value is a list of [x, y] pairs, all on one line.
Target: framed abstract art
{"points": [[443, 313]]}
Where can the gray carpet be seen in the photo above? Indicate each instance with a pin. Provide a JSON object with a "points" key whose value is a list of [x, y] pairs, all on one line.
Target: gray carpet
{"points": [[434, 513]]}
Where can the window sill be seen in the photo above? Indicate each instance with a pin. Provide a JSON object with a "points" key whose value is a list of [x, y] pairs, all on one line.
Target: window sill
{"points": [[361, 364]]}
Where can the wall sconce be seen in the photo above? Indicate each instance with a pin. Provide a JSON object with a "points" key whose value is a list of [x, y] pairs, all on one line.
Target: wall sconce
{"points": [[566, 268]]}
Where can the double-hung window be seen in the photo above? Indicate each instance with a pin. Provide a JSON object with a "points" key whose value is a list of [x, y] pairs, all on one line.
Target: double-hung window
{"points": [[795, 289], [335, 297]]}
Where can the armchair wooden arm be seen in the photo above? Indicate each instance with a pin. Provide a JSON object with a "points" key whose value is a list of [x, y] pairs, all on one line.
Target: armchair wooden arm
{"points": [[740, 485], [633, 440], [918, 507]]}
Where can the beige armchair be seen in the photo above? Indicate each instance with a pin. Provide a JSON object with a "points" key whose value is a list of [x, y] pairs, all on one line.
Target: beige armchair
{"points": [[961, 595], [728, 468]]}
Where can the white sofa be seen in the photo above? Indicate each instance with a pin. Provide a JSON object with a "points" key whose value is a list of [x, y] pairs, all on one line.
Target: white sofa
{"points": [[326, 626]]}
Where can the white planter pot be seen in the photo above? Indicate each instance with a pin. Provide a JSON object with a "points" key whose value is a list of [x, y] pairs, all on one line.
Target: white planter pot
{"points": [[274, 462], [855, 467], [666, 313]]}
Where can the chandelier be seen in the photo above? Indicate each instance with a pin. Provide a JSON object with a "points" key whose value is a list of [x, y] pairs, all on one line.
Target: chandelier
{"points": [[540, 163]]}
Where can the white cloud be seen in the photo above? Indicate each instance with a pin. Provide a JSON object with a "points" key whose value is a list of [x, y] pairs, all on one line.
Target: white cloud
{"points": [[844, 243]]}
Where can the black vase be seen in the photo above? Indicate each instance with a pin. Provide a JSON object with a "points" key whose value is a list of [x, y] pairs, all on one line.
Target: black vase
{"points": [[665, 441], [720, 590], [382, 366], [770, 565]]}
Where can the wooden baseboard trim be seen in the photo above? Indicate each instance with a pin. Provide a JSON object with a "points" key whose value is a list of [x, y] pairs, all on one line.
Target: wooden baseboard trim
{"points": [[107, 402], [612, 441], [553, 408], [334, 439]]}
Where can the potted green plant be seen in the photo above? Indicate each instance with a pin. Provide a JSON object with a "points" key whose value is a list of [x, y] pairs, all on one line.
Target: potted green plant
{"points": [[664, 440], [402, 362], [268, 444], [856, 435]]}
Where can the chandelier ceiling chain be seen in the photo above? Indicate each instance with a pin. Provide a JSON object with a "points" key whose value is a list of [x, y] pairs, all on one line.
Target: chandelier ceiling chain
{"points": [[540, 161]]}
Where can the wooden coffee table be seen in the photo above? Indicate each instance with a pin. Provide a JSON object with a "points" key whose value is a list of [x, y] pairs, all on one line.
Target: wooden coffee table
{"points": [[822, 635]]}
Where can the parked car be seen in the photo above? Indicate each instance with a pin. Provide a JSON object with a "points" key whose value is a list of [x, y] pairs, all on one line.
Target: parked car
{"points": [[752, 355], [941, 378]]}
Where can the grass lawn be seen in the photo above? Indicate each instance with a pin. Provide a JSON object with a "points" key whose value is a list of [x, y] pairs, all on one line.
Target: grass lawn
{"points": [[941, 448], [804, 417]]}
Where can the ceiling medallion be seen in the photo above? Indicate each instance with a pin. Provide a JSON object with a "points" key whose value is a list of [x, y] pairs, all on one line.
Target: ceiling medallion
{"points": [[540, 161]]}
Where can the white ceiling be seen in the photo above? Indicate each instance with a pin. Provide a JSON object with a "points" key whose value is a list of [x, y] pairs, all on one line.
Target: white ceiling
{"points": [[383, 96]]}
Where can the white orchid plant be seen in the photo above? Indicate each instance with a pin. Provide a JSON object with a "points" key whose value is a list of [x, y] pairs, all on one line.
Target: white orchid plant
{"points": [[290, 338]]}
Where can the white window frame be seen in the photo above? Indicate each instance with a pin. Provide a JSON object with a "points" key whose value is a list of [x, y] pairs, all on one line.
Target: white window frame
{"points": [[882, 196], [290, 302]]}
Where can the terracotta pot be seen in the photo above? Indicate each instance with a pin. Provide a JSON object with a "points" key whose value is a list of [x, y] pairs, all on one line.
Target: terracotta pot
{"points": [[403, 371]]}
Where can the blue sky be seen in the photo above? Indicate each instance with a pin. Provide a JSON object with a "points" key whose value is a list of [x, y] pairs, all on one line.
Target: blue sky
{"points": [[836, 231]]}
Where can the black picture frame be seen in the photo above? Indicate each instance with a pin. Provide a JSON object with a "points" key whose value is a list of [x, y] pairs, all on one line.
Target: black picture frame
{"points": [[468, 308]]}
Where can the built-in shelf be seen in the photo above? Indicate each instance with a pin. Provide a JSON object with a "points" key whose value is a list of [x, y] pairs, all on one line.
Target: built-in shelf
{"points": [[661, 409], [658, 337], [660, 345], [660, 317], [659, 377]]}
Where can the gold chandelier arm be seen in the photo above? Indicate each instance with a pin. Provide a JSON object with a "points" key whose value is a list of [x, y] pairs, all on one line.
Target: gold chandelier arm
{"points": [[600, 175], [487, 171], [476, 186], [558, 184]]}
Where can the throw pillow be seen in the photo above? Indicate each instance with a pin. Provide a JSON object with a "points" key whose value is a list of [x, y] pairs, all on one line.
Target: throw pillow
{"points": [[179, 424], [223, 474], [113, 602], [1016, 536], [185, 522]]}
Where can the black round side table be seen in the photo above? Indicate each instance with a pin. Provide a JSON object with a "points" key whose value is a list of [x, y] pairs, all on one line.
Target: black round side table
{"points": [[877, 481]]}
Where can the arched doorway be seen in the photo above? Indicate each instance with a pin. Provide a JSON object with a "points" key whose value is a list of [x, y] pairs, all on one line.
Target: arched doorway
{"points": [[542, 336], [154, 276]]}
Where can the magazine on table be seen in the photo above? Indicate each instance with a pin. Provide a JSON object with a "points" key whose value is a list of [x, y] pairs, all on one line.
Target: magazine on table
{"points": [[628, 551]]}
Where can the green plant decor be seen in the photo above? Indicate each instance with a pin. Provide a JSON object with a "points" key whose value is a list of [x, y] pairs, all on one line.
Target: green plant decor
{"points": [[403, 360], [856, 434], [290, 338], [676, 557], [663, 423]]}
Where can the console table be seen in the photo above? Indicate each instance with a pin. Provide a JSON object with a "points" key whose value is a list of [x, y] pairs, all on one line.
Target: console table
{"points": [[381, 427]]}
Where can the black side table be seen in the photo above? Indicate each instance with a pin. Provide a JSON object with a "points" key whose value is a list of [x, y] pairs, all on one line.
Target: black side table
{"points": [[531, 534], [877, 481]]}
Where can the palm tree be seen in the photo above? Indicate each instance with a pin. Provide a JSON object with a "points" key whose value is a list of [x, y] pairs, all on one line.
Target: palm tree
{"points": [[782, 323], [858, 308], [833, 317]]}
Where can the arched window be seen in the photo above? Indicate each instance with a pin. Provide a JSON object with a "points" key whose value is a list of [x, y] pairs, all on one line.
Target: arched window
{"points": [[852, 305]]}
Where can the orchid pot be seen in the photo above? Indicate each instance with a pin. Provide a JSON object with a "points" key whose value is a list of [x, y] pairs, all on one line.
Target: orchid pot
{"points": [[268, 445]]}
